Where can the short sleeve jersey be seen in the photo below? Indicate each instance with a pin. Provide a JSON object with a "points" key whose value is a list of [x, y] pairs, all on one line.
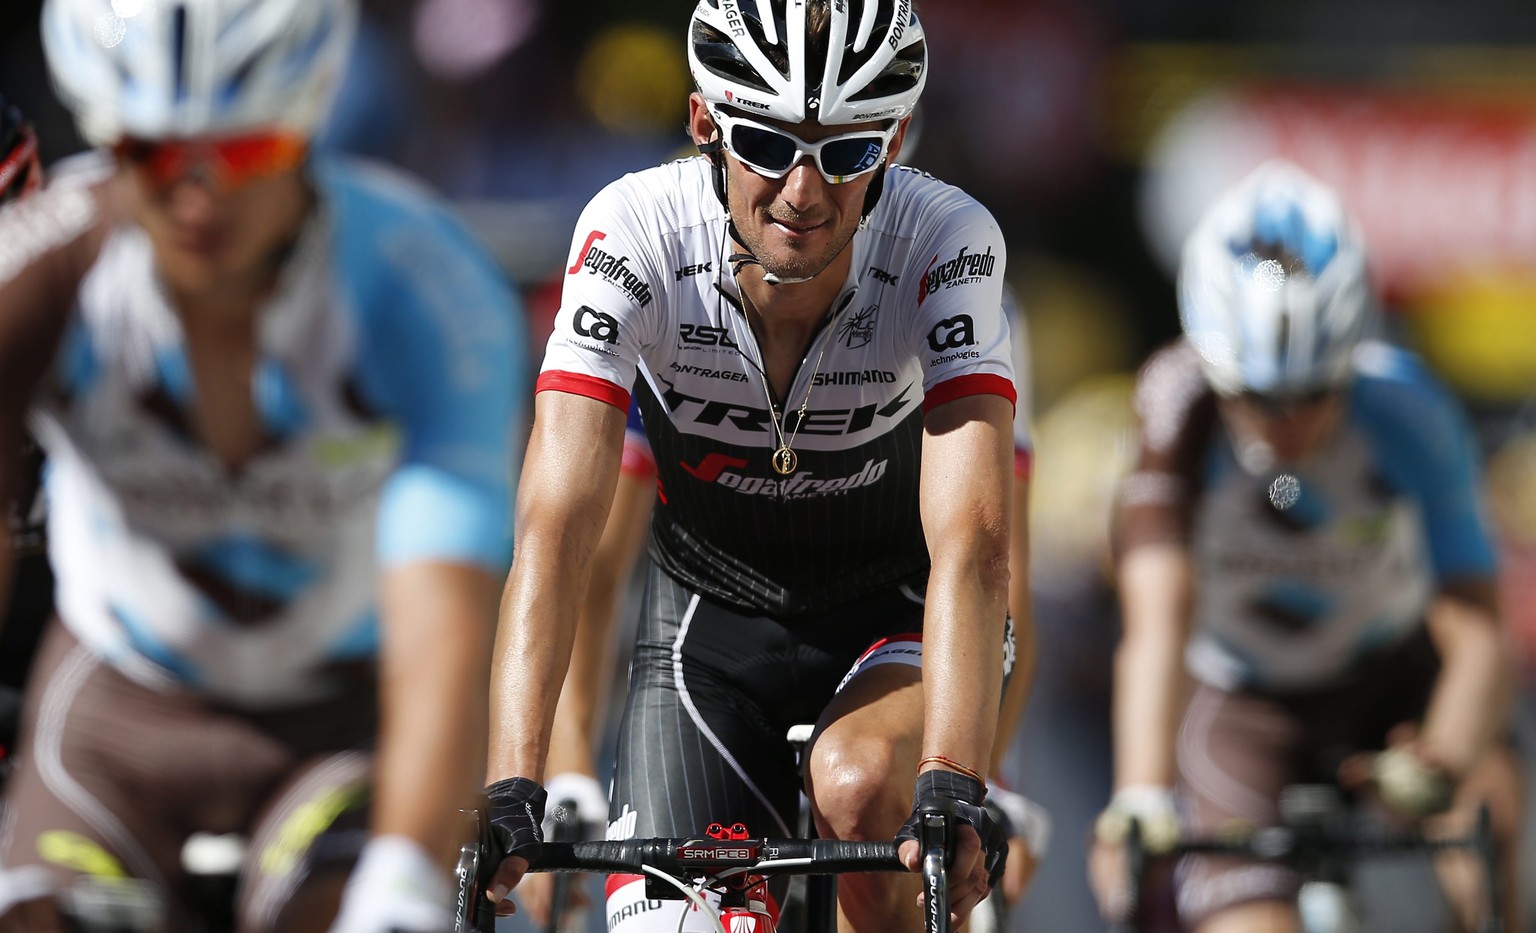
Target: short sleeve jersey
{"points": [[1302, 571], [650, 304], [386, 387]]}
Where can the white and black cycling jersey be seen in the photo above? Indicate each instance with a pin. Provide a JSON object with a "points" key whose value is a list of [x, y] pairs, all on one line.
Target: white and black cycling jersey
{"points": [[650, 303]]}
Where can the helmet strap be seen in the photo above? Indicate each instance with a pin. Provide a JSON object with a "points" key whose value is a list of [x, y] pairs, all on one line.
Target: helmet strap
{"points": [[873, 192]]}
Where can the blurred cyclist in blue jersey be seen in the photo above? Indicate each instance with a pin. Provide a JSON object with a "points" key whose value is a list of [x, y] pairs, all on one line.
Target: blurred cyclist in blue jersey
{"points": [[277, 393], [1302, 534]]}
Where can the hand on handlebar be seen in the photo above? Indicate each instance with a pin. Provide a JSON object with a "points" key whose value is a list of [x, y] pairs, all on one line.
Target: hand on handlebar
{"points": [[579, 811], [1404, 778], [980, 851], [517, 812], [1152, 808]]}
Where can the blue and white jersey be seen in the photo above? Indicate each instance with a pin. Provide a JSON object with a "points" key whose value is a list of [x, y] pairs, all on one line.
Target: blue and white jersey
{"points": [[387, 382], [1302, 571]]}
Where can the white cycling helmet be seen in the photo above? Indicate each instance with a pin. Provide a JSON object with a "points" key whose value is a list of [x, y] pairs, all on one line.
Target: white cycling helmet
{"points": [[155, 69], [1273, 290], [755, 55]]}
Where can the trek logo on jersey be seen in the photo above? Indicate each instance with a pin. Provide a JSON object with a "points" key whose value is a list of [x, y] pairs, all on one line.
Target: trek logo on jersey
{"points": [[829, 422], [859, 328], [882, 276], [704, 335], [614, 269], [690, 271], [723, 470], [596, 324], [965, 267], [731, 97]]}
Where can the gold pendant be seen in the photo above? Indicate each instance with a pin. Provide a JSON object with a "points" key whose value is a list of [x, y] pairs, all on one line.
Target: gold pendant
{"points": [[785, 461]]}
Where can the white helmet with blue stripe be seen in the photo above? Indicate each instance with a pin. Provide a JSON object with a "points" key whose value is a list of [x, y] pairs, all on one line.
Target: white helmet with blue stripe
{"points": [[156, 69], [1273, 289]]}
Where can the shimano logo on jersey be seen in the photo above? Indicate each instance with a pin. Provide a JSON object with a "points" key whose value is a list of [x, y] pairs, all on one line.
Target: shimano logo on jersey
{"points": [[965, 267], [721, 470], [859, 329], [706, 373], [629, 911], [613, 269], [692, 270], [854, 377]]}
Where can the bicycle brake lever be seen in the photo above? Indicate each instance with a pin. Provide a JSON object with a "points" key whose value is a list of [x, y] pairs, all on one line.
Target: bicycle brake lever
{"points": [[935, 838]]}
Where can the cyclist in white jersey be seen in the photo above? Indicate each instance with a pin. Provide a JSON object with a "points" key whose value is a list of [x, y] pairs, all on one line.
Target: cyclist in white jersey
{"points": [[278, 395], [578, 721], [816, 343], [1303, 526]]}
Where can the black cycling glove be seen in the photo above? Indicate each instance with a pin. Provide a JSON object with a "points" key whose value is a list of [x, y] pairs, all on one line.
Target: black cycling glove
{"points": [[517, 812], [960, 797]]}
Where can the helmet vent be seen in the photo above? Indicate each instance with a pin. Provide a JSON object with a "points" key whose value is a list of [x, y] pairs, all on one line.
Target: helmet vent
{"points": [[719, 54], [179, 50]]}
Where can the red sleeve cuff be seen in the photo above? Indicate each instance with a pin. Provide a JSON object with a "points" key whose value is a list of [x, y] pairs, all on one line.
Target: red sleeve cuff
{"points": [[579, 384], [972, 384]]}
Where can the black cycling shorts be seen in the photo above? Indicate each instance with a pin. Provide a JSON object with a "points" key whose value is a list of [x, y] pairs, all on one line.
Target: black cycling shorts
{"points": [[713, 692]]}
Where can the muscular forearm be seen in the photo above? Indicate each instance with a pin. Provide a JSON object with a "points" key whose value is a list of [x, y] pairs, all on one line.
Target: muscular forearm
{"points": [[584, 698], [534, 639], [1470, 702], [962, 663], [1156, 583], [437, 622]]}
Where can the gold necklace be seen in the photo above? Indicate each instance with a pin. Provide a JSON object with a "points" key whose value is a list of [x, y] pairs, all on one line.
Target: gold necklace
{"points": [[784, 460]]}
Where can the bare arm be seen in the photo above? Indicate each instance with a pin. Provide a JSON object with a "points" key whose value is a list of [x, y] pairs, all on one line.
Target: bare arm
{"points": [[1156, 595], [584, 698], [1470, 703], [563, 499], [966, 487], [437, 620]]}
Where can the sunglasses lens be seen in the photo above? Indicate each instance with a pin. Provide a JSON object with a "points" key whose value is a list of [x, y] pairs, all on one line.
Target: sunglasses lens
{"points": [[246, 157], [228, 162], [763, 148], [852, 156]]}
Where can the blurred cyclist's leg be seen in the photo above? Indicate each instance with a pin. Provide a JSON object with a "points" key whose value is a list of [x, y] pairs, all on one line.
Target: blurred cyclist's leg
{"points": [[304, 846], [85, 804]]}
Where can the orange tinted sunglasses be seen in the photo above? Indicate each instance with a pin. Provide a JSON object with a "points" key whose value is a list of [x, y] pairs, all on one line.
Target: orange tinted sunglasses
{"points": [[225, 162]]}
